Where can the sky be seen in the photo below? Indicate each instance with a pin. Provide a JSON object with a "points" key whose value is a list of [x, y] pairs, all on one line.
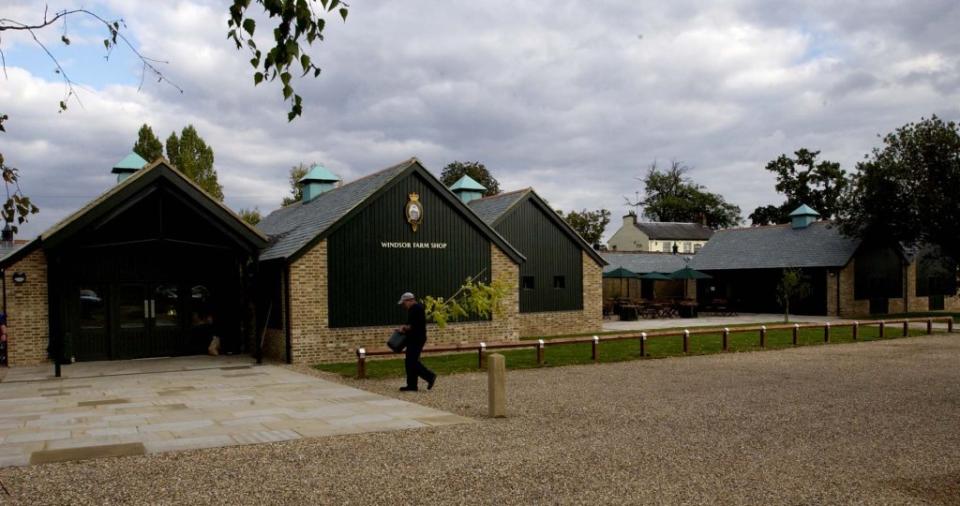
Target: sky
{"points": [[575, 99]]}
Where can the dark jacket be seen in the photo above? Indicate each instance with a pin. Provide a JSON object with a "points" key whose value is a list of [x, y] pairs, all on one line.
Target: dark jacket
{"points": [[417, 320]]}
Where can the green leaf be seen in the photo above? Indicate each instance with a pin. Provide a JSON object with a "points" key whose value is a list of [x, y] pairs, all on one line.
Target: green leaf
{"points": [[343, 13], [65, 40], [249, 25], [257, 78], [305, 62]]}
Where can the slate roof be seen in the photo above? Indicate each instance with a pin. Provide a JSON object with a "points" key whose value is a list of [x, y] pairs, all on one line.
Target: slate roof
{"points": [[644, 262], [667, 230], [775, 247], [490, 209], [292, 227]]}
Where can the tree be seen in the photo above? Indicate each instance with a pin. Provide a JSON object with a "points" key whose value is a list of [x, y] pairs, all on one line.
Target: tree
{"points": [[476, 170], [793, 286], [804, 181], [908, 190], [191, 155], [292, 24], [669, 195], [296, 191], [251, 216], [589, 224], [148, 145]]}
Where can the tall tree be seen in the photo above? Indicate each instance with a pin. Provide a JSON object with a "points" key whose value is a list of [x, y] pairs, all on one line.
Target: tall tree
{"points": [[589, 224], [148, 145], [191, 155], [908, 190], [251, 216], [296, 191], [476, 170], [804, 180], [293, 24], [669, 195]]}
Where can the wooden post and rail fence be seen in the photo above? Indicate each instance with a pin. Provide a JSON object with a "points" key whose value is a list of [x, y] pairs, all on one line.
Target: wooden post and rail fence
{"points": [[540, 345]]}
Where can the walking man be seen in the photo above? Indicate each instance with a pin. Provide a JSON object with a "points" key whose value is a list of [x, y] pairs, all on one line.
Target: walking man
{"points": [[416, 332]]}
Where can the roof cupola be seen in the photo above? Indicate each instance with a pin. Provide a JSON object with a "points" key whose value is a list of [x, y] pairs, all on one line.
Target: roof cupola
{"points": [[468, 189], [803, 216], [130, 164], [317, 180]]}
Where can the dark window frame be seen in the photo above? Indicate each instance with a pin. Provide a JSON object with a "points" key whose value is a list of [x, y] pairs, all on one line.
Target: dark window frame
{"points": [[562, 285], [528, 283]]}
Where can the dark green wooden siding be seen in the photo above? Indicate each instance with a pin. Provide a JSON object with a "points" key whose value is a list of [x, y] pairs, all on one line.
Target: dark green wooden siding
{"points": [[366, 279], [550, 253]]}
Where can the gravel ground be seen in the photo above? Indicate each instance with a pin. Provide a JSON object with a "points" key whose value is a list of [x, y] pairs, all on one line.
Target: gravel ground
{"points": [[871, 423]]}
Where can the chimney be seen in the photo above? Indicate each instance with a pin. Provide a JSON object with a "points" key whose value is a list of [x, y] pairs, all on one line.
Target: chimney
{"points": [[468, 189], [317, 181], [802, 217], [126, 167], [630, 218]]}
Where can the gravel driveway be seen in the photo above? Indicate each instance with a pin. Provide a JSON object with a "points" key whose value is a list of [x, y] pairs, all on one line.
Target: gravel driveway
{"points": [[875, 422]]}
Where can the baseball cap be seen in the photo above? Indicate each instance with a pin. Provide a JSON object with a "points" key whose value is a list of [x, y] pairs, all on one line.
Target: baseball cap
{"points": [[406, 296]]}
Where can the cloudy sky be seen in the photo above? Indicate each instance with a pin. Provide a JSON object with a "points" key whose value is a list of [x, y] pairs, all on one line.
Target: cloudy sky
{"points": [[573, 98]]}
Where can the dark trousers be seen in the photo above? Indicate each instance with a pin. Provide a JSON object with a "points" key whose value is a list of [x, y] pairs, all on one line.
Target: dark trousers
{"points": [[414, 367]]}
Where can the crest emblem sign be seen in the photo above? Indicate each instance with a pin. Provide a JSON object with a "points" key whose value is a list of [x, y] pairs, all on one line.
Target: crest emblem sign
{"points": [[413, 211]]}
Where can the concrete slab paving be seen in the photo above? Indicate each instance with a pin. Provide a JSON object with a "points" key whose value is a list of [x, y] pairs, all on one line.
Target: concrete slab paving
{"points": [[135, 407]]}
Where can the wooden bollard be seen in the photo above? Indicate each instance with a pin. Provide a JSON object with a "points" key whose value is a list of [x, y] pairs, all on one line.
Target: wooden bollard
{"points": [[726, 338], [796, 333], [929, 325], [361, 363], [763, 336], [497, 385], [906, 328], [595, 344], [540, 346], [686, 340], [481, 351], [826, 332], [643, 344], [856, 330], [881, 329], [950, 325]]}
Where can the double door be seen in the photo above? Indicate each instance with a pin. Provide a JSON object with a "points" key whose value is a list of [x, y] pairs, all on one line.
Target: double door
{"points": [[139, 320]]}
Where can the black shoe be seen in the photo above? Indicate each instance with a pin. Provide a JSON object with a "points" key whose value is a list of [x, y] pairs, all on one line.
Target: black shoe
{"points": [[408, 389], [431, 382]]}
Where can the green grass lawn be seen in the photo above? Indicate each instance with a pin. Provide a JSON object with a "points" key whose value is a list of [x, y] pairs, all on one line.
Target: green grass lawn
{"points": [[618, 351]]}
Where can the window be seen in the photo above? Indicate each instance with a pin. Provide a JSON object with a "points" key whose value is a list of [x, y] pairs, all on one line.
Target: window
{"points": [[559, 282], [526, 283], [696, 247], [687, 247], [665, 247]]}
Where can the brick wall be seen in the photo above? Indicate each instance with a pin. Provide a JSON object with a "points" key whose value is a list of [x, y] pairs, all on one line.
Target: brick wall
{"points": [[589, 319], [313, 342], [27, 314]]}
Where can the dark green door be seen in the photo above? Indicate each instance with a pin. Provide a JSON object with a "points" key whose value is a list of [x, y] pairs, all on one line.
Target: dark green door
{"points": [[132, 316]]}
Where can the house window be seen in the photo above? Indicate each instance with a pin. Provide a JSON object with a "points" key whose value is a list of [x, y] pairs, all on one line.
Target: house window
{"points": [[687, 248], [696, 247], [665, 247], [526, 283], [559, 282]]}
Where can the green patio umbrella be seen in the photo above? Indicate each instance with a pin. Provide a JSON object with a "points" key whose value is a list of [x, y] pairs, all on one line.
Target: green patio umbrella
{"points": [[688, 273], [656, 276], [620, 272]]}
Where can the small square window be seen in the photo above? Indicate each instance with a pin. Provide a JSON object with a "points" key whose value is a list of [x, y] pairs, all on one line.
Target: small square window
{"points": [[526, 283], [559, 282]]}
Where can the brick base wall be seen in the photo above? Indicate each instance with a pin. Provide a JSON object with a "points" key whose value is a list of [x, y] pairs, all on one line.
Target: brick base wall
{"points": [[589, 319], [313, 342], [28, 332]]}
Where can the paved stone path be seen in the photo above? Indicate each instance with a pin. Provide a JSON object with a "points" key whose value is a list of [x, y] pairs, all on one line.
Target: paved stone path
{"points": [[136, 407]]}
